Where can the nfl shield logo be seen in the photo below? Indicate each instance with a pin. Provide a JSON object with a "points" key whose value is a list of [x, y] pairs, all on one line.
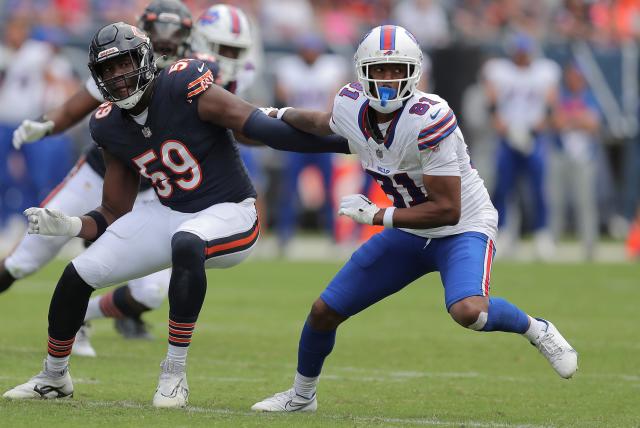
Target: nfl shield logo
{"points": [[146, 132], [379, 153]]}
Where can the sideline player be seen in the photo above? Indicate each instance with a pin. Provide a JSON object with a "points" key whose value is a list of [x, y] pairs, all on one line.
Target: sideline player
{"points": [[168, 24], [173, 129], [442, 219]]}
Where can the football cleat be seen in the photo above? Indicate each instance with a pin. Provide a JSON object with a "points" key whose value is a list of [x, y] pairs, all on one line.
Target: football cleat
{"points": [[132, 328], [287, 401], [173, 390], [82, 345], [555, 348], [44, 385]]}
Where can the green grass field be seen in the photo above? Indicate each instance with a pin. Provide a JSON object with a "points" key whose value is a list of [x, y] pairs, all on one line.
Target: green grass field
{"points": [[402, 363]]}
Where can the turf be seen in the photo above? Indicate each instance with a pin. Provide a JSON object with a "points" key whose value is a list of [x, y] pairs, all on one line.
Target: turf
{"points": [[401, 363]]}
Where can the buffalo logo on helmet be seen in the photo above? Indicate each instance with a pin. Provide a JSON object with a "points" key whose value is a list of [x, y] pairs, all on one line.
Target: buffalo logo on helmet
{"points": [[209, 17]]}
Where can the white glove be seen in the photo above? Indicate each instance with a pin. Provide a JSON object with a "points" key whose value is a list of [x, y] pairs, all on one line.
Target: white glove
{"points": [[30, 131], [43, 221], [359, 208], [520, 139], [268, 110]]}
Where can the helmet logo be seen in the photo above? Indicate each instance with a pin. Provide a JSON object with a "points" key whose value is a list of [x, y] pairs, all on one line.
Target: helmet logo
{"points": [[108, 52], [138, 33], [209, 17], [387, 53]]}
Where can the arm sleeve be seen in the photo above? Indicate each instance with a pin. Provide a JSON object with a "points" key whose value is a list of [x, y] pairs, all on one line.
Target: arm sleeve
{"points": [[444, 160], [279, 135]]}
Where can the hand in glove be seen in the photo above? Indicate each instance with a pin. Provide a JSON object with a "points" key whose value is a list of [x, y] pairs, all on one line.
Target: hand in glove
{"points": [[30, 131], [359, 208], [43, 221]]}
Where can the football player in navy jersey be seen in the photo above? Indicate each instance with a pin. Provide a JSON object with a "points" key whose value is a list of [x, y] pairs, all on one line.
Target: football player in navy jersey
{"points": [[173, 129], [169, 26]]}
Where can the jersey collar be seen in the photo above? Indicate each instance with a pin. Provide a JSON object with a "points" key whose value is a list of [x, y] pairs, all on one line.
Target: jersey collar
{"points": [[388, 139]]}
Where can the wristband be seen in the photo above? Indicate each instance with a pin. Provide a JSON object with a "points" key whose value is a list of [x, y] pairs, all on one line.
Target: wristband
{"points": [[387, 219], [281, 112], [101, 222]]}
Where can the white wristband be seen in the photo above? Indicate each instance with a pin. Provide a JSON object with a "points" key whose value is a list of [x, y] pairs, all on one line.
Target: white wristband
{"points": [[281, 112], [387, 219]]}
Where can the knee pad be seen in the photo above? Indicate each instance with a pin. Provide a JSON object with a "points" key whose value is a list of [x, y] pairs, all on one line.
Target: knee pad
{"points": [[187, 249]]}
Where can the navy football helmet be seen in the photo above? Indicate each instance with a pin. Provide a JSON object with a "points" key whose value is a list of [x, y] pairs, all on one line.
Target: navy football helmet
{"points": [[121, 63], [168, 24]]}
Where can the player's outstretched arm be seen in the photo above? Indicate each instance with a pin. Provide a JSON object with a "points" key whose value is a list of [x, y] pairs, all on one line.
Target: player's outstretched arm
{"points": [[313, 122], [57, 120], [222, 108]]}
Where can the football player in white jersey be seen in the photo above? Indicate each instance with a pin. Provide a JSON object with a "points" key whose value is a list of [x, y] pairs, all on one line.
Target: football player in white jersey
{"points": [[442, 219], [169, 24], [522, 92]]}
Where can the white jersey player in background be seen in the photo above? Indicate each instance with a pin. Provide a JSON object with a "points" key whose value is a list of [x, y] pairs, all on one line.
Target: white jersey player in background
{"points": [[522, 92], [442, 219]]}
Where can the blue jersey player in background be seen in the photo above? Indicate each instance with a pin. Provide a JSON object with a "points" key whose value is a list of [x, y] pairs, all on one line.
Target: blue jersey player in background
{"points": [[175, 130]]}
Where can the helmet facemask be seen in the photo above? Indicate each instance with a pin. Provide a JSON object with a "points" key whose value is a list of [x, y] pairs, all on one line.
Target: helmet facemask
{"points": [[229, 66], [125, 90], [170, 36], [384, 96]]}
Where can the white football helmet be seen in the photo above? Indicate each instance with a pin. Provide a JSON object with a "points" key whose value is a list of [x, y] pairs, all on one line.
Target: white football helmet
{"points": [[224, 25], [382, 45]]}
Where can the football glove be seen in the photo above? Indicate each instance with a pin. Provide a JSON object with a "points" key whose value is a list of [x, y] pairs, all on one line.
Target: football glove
{"points": [[30, 131], [43, 221], [359, 208]]}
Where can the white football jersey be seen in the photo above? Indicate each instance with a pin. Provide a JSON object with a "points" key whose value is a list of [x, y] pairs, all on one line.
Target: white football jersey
{"points": [[423, 138], [522, 91]]}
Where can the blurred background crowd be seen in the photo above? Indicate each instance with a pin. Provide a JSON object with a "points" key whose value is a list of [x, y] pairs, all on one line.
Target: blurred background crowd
{"points": [[546, 93]]}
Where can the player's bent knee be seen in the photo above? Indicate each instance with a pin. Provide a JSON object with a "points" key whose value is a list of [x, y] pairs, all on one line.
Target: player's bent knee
{"points": [[469, 313], [187, 249], [323, 318], [6, 279]]}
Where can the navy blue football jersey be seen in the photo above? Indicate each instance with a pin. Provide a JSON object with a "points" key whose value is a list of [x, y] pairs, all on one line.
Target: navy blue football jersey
{"points": [[192, 164]]}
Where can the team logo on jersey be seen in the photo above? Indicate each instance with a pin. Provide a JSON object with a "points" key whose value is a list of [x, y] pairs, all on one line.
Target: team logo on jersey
{"points": [[379, 153], [146, 131]]}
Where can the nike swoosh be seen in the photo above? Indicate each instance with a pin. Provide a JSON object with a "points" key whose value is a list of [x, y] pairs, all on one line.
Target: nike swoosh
{"points": [[201, 68], [434, 115], [289, 405]]}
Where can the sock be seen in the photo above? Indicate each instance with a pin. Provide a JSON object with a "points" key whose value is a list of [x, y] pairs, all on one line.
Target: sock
{"points": [[108, 307], [93, 310], [178, 354], [505, 316], [305, 386], [535, 330], [56, 366], [313, 348]]}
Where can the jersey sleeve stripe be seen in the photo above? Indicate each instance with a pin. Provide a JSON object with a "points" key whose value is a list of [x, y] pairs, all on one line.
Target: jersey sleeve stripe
{"points": [[202, 83], [434, 127], [433, 140]]}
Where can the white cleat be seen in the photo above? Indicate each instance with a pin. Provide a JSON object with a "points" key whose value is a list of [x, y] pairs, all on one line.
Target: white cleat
{"points": [[555, 348], [173, 390], [287, 401], [82, 345], [44, 385]]}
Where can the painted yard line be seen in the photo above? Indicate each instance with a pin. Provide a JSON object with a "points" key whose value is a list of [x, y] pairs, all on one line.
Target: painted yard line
{"points": [[335, 418]]}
